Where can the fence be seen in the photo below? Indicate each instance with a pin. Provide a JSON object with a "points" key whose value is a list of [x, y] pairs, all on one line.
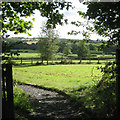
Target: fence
{"points": [[31, 60], [35, 60], [7, 93]]}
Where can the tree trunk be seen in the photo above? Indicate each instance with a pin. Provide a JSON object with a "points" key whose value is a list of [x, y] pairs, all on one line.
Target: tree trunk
{"points": [[98, 60], [89, 60], [21, 60], [31, 60], [47, 61], [42, 60], [80, 60]]}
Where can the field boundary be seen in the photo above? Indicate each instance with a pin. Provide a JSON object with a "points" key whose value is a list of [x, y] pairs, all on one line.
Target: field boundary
{"points": [[38, 61], [38, 58]]}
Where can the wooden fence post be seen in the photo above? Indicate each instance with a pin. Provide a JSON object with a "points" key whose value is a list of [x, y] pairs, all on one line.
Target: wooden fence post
{"points": [[89, 60], [98, 60], [118, 78], [118, 83], [4, 98], [3, 84], [7, 81], [21, 60], [31, 60], [9, 87]]}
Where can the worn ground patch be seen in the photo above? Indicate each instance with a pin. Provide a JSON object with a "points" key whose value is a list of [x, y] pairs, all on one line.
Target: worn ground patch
{"points": [[51, 105]]}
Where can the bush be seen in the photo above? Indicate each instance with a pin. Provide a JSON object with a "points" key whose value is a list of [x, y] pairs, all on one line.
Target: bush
{"points": [[101, 99], [96, 52], [66, 61], [26, 51], [22, 102], [93, 55]]}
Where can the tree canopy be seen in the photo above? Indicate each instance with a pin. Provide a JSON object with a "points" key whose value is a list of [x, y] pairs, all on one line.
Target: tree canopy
{"points": [[12, 13], [67, 49], [82, 50], [106, 16], [47, 46]]}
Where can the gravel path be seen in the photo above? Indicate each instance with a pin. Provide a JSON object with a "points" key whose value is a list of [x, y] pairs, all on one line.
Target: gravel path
{"points": [[51, 105]]}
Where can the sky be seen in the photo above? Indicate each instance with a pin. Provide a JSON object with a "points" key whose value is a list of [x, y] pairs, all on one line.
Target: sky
{"points": [[71, 15]]}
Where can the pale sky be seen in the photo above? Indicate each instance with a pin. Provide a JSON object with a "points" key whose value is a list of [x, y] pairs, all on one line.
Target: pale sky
{"points": [[71, 15]]}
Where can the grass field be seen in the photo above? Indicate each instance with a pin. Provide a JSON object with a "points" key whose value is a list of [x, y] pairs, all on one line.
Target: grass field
{"points": [[76, 80], [35, 53], [26, 55], [63, 77]]}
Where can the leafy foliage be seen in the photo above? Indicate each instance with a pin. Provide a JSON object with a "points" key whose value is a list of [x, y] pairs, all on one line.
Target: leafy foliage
{"points": [[21, 100], [6, 47], [82, 50], [109, 69], [85, 32], [105, 19], [12, 13], [67, 49], [106, 16], [101, 101]]}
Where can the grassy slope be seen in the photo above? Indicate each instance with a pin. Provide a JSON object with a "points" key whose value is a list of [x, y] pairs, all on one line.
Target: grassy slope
{"points": [[62, 77]]}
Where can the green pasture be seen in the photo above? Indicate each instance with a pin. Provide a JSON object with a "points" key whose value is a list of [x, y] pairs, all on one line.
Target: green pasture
{"points": [[77, 80], [93, 61], [25, 61], [25, 53], [63, 77], [106, 56], [33, 54], [28, 55], [24, 50]]}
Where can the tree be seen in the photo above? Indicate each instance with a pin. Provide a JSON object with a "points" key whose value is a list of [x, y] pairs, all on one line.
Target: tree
{"points": [[67, 49], [82, 50], [106, 17], [13, 11], [47, 45], [61, 45]]}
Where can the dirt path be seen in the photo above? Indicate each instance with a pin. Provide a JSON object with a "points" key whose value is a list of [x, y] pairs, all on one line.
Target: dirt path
{"points": [[51, 105]]}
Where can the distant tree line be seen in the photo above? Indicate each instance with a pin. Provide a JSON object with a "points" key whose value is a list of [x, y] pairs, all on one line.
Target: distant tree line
{"points": [[64, 46]]}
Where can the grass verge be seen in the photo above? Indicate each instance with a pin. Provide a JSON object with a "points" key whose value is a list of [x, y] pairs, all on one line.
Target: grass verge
{"points": [[22, 104]]}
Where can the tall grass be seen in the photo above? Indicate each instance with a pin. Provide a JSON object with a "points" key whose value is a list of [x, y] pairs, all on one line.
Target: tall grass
{"points": [[22, 104]]}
